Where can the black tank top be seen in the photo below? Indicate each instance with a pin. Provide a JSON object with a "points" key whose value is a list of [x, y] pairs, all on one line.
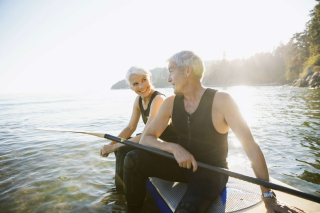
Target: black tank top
{"points": [[196, 132], [169, 134]]}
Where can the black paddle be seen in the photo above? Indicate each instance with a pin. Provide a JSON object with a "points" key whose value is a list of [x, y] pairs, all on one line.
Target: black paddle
{"points": [[203, 165]]}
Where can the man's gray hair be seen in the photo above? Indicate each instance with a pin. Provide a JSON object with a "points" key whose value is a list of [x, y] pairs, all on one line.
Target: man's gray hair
{"points": [[186, 58], [137, 71]]}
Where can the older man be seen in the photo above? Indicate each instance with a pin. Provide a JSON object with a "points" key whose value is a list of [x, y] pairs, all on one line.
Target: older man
{"points": [[202, 118]]}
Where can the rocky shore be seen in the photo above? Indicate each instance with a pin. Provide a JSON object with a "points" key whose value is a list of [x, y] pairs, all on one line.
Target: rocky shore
{"points": [[120, 85], [311, 79]]}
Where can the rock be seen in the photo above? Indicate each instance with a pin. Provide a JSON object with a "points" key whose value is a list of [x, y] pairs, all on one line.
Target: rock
{"points": [[315, 84], [300, 82], [120, 85], [315, 78], [309, 78]]}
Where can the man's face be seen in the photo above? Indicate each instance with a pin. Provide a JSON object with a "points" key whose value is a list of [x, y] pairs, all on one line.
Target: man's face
{"points": [[176, 78]]}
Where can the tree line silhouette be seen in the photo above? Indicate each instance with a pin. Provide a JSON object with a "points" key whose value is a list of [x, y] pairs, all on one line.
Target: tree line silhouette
{"points": [[284, 64]]}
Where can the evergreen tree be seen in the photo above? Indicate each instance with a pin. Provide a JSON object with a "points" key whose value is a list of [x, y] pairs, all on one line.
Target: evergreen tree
{"points": [[314, 30]]}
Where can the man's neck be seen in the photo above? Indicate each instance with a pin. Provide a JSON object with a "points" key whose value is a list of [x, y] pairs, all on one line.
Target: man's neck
{"points": [[193, 92]]}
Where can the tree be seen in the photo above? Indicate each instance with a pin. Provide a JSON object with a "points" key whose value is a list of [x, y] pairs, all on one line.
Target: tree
{"points": [[314, 30]]}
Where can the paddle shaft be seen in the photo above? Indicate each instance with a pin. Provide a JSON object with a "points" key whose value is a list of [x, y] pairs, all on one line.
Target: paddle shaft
{"points": [[202, 165], [220, 170]]}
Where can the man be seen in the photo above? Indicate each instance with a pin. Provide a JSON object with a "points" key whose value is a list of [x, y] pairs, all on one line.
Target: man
{"points": [[202, 118]]}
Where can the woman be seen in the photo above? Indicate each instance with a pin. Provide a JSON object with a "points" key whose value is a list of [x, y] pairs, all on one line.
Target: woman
{"points": [[146, 104]]}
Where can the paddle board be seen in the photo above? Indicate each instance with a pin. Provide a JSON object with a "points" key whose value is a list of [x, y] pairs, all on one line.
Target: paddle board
{"points": [[238, 196]]}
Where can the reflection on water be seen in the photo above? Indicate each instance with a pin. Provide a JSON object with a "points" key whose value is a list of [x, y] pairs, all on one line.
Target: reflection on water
{"points": [[62, 172], [286, 122]]}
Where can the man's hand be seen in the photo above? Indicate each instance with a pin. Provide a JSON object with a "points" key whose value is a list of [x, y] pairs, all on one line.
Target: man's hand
{"points": [[184, 158], [274, 206], [106, 149]]}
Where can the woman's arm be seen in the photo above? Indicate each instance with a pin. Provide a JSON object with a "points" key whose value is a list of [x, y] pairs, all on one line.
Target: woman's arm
{"points": [[126, 132], [155, 105], [133, 123]]}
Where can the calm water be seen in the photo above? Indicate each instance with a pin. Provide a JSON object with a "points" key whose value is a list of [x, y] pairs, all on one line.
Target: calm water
{"points": [[63, 172]]}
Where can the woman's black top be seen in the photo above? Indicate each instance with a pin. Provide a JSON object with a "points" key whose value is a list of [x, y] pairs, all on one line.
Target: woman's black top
{"points": [[169, 133]]}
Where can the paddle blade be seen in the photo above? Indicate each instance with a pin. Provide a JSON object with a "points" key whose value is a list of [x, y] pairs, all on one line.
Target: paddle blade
{"points": [[101, 135]]}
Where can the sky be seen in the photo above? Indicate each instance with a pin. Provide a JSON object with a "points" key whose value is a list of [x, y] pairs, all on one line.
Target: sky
{"points": [[82, 45]]}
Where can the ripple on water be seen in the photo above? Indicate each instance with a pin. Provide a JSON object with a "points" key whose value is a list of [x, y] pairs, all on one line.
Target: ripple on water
{"points": [[310, 177], [63, 172]]}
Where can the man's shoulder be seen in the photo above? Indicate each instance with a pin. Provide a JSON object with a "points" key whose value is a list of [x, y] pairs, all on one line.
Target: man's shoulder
{"points": [[224, 102], [159, 97], [167, 106], [222, 97], [168, 102], [170, 99]]}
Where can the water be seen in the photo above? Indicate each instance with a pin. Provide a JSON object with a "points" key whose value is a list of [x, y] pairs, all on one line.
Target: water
{"points": [[63, 172]]}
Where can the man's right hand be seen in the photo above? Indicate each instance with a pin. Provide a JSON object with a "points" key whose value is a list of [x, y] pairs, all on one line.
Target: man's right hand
{"points": [[273, 205], [184, 158]]}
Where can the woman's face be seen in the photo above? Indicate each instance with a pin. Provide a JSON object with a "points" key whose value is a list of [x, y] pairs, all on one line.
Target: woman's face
{"points": [[140, 84]]}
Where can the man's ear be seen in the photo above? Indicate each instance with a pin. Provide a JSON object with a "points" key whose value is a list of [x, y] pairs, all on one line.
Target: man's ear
{"points": [[189, 71]]}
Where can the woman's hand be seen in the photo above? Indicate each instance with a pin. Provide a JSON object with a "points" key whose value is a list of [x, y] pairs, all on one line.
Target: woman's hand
{"points": [[106, 149]]}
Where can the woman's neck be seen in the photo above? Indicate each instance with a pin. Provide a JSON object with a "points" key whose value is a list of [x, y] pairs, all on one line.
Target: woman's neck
{"points": [[147, 99]]}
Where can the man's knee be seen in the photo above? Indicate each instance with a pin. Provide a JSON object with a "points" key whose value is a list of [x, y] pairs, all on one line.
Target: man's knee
{"points": [[133, 161], [186, 207], [123, 150]]}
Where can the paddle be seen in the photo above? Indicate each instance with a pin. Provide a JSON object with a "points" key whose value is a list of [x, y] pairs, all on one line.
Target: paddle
{"points": [[203, 165]]}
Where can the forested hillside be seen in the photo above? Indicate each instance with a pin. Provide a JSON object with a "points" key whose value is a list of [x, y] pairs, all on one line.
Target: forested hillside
{"points": [[284, 64]]}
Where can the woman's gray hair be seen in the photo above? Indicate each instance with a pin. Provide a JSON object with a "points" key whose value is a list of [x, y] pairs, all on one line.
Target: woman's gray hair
{"points": [[186, 58], [137, 71]]}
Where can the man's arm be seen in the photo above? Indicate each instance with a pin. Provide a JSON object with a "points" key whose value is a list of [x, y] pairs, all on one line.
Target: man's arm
{"points": [[156, 128], [242, 131], [236, 122]]}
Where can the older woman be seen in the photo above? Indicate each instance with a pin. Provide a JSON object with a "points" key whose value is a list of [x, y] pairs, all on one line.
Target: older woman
{"points": [[146, 104]]}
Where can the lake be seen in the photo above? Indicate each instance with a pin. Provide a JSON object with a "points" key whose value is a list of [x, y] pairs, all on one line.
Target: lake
{"points": [[62, 172]]}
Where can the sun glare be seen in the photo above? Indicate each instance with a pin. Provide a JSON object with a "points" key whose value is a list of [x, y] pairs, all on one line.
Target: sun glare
{"points": [[76, 46], [242, 96]]}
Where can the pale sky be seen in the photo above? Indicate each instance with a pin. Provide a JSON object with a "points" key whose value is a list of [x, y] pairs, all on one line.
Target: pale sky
{"points": [[69, 46]]}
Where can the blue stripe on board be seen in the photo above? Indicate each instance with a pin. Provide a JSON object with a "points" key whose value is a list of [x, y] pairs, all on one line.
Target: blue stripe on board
{"points": [[157, 199], [223, 196]]}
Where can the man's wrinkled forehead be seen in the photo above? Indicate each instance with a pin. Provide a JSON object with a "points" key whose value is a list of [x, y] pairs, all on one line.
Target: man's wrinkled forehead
{"points": [[172, 65]]}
